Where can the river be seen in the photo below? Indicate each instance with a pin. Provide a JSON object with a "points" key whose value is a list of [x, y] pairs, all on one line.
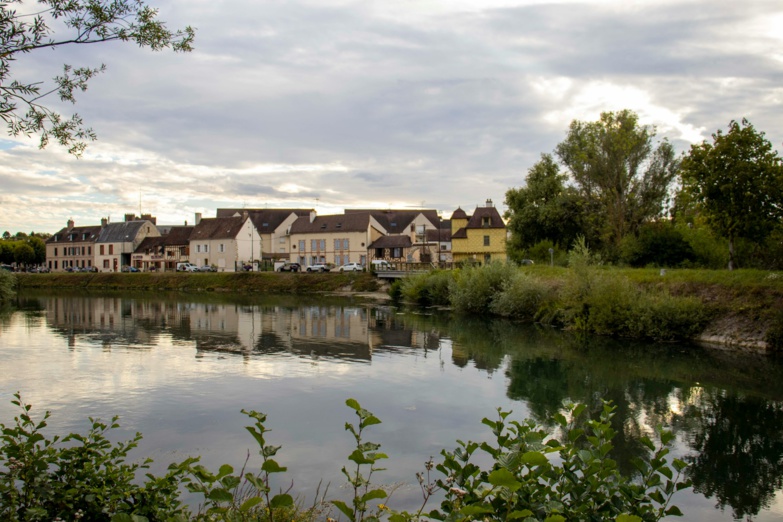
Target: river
{"points": [[179, 368]]}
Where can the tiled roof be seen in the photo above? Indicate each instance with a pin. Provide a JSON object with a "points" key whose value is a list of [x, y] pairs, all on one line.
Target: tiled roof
{"points": [[64, 234], [177, 236], [271, 217], [397, 221], [392, 242], [459, 214], [217, 228], [121, 232], [443, 234], [462, 233], [351, 222], [477, 219]]}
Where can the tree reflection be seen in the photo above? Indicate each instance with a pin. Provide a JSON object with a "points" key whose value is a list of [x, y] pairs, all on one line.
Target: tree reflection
{"points": [[738, 444]]}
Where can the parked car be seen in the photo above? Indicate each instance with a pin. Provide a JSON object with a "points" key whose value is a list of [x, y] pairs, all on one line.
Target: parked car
{"points": [[207, 268], [128, 268], [318, 268], [186, 267], [381, 264], [289, 267], [352, 267]]}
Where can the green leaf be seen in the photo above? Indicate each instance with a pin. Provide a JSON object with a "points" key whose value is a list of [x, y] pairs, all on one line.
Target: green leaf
{"points": [[225, 469], [372, 495], [250, 503], [370, 421], [476, 509], [342, 506], [281, 500], [504, 478], [220, 495], [673, 511], [627, 518], [534, 458], [555, 518], [520, 514], [353, 404], [271, 466]]}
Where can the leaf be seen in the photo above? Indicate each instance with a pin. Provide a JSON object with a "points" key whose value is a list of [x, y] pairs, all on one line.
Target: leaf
{"points": [[353, 404], [520, 514], [220, 495], [225, 469], [374, 494], [370, 421], [476, 509], [121, 517], [627, 518], [534, 458], [281, 500], [673, 511], [250, 503], [342, 506], [555, 518], [504, 478], [271, 466]]}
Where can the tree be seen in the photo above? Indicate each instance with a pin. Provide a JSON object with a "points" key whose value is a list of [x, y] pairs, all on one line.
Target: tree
{"points": [[39, 247], [618, 169], [736, 182], [24, 254], [89, 22], [545, 209]]}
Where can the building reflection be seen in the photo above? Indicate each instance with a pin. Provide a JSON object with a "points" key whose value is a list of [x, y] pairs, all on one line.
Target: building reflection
{"points": [[352, 332]]}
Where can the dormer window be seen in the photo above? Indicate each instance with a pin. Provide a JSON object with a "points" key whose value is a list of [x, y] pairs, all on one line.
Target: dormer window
{"points": [[485, 221], [323, 226]]}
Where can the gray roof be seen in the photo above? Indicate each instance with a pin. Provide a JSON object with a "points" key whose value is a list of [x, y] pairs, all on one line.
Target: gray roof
{"points": [[64, 235], [265, 220], [477, 219], [397, 221], [121, 232], [352, 222], [177, 236], [392, 242], [217, 228]]}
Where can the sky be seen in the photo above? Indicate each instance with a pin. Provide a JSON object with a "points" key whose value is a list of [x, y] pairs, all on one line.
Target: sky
{"points": [[335, 104]]}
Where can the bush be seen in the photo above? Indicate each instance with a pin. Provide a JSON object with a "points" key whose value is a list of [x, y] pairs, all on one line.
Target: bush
{"points": [[473, 289], [427, 289], [522, 297], [658, 244], [7, 285], [529, 475]]}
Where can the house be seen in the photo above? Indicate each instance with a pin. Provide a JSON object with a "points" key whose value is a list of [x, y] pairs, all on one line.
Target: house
{"points": [[441, 237], [274, 227], [162, 253], [226, 243], [72, 247], [117, 242], [337, 239], [407, 235], [478, 238]]}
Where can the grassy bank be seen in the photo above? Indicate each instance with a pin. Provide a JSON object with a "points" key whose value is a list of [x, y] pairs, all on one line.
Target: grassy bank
{"points": [[741, 308], [243, 282]]}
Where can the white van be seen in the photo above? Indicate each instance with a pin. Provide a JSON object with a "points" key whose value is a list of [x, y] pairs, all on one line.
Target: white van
{"points": [[186, 267], [381, 264]]}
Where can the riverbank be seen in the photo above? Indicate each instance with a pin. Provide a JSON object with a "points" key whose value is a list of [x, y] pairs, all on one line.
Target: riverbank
{"points": [[744, 306]]}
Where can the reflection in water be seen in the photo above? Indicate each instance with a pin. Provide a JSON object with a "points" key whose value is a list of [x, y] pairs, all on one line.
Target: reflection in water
{"points": [[726, 409]]}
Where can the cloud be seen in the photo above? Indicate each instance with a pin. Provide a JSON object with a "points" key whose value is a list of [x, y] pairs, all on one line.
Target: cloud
{"points": [[341, 103]]}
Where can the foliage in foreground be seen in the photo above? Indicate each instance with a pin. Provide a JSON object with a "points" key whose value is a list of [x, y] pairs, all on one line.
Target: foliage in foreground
{"points": [[532, 475]]}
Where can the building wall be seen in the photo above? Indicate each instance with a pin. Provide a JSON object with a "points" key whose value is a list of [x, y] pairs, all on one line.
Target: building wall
{"points": [[473, 247], [244, 249], [325, 251], [64, 254]]}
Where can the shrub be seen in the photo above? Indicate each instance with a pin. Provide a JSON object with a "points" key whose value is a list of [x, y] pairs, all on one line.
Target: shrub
{"points": [[7, 285], [427, 289], [474, 289], [658, 244], [522, 297]]}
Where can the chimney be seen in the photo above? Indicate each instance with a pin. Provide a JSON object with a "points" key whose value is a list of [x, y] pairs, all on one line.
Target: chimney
{"points": [[130, 217], [104, 222], [198, 218], [70, 224], [244, 215], [489, 203], [186, 222]]}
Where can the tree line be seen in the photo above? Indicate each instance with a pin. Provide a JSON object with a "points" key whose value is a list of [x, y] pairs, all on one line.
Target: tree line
{"points": [[634, 201], [23, 249]]}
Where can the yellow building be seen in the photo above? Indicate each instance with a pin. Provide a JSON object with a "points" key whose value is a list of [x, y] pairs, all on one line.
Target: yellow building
{"points": [[480, 237]]}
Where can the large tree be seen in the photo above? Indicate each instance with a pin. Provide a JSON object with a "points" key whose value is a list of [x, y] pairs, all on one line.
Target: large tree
{"points": [[545, 209], [86, 22], [620, 170], [736, 183]]}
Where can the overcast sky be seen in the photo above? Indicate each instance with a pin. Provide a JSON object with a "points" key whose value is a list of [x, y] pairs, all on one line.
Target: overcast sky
{"points": [[333, 104]]}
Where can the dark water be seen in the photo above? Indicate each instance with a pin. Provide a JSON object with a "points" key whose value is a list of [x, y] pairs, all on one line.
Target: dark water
{"points": [[180, 368]]}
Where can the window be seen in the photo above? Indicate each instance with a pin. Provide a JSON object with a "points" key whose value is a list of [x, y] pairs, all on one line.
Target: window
{"points": [[486, 240], [105, 263], [485, 221], [301, 246], [313, 244], [337, 243], [198, 248], [89, 250], [55, 265], [396, 252], [111, 249], [102, 252], [221, 247], [55, 251], [323, 244], [206, 248], [345, 244], [337, 259], [282, 240]]}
